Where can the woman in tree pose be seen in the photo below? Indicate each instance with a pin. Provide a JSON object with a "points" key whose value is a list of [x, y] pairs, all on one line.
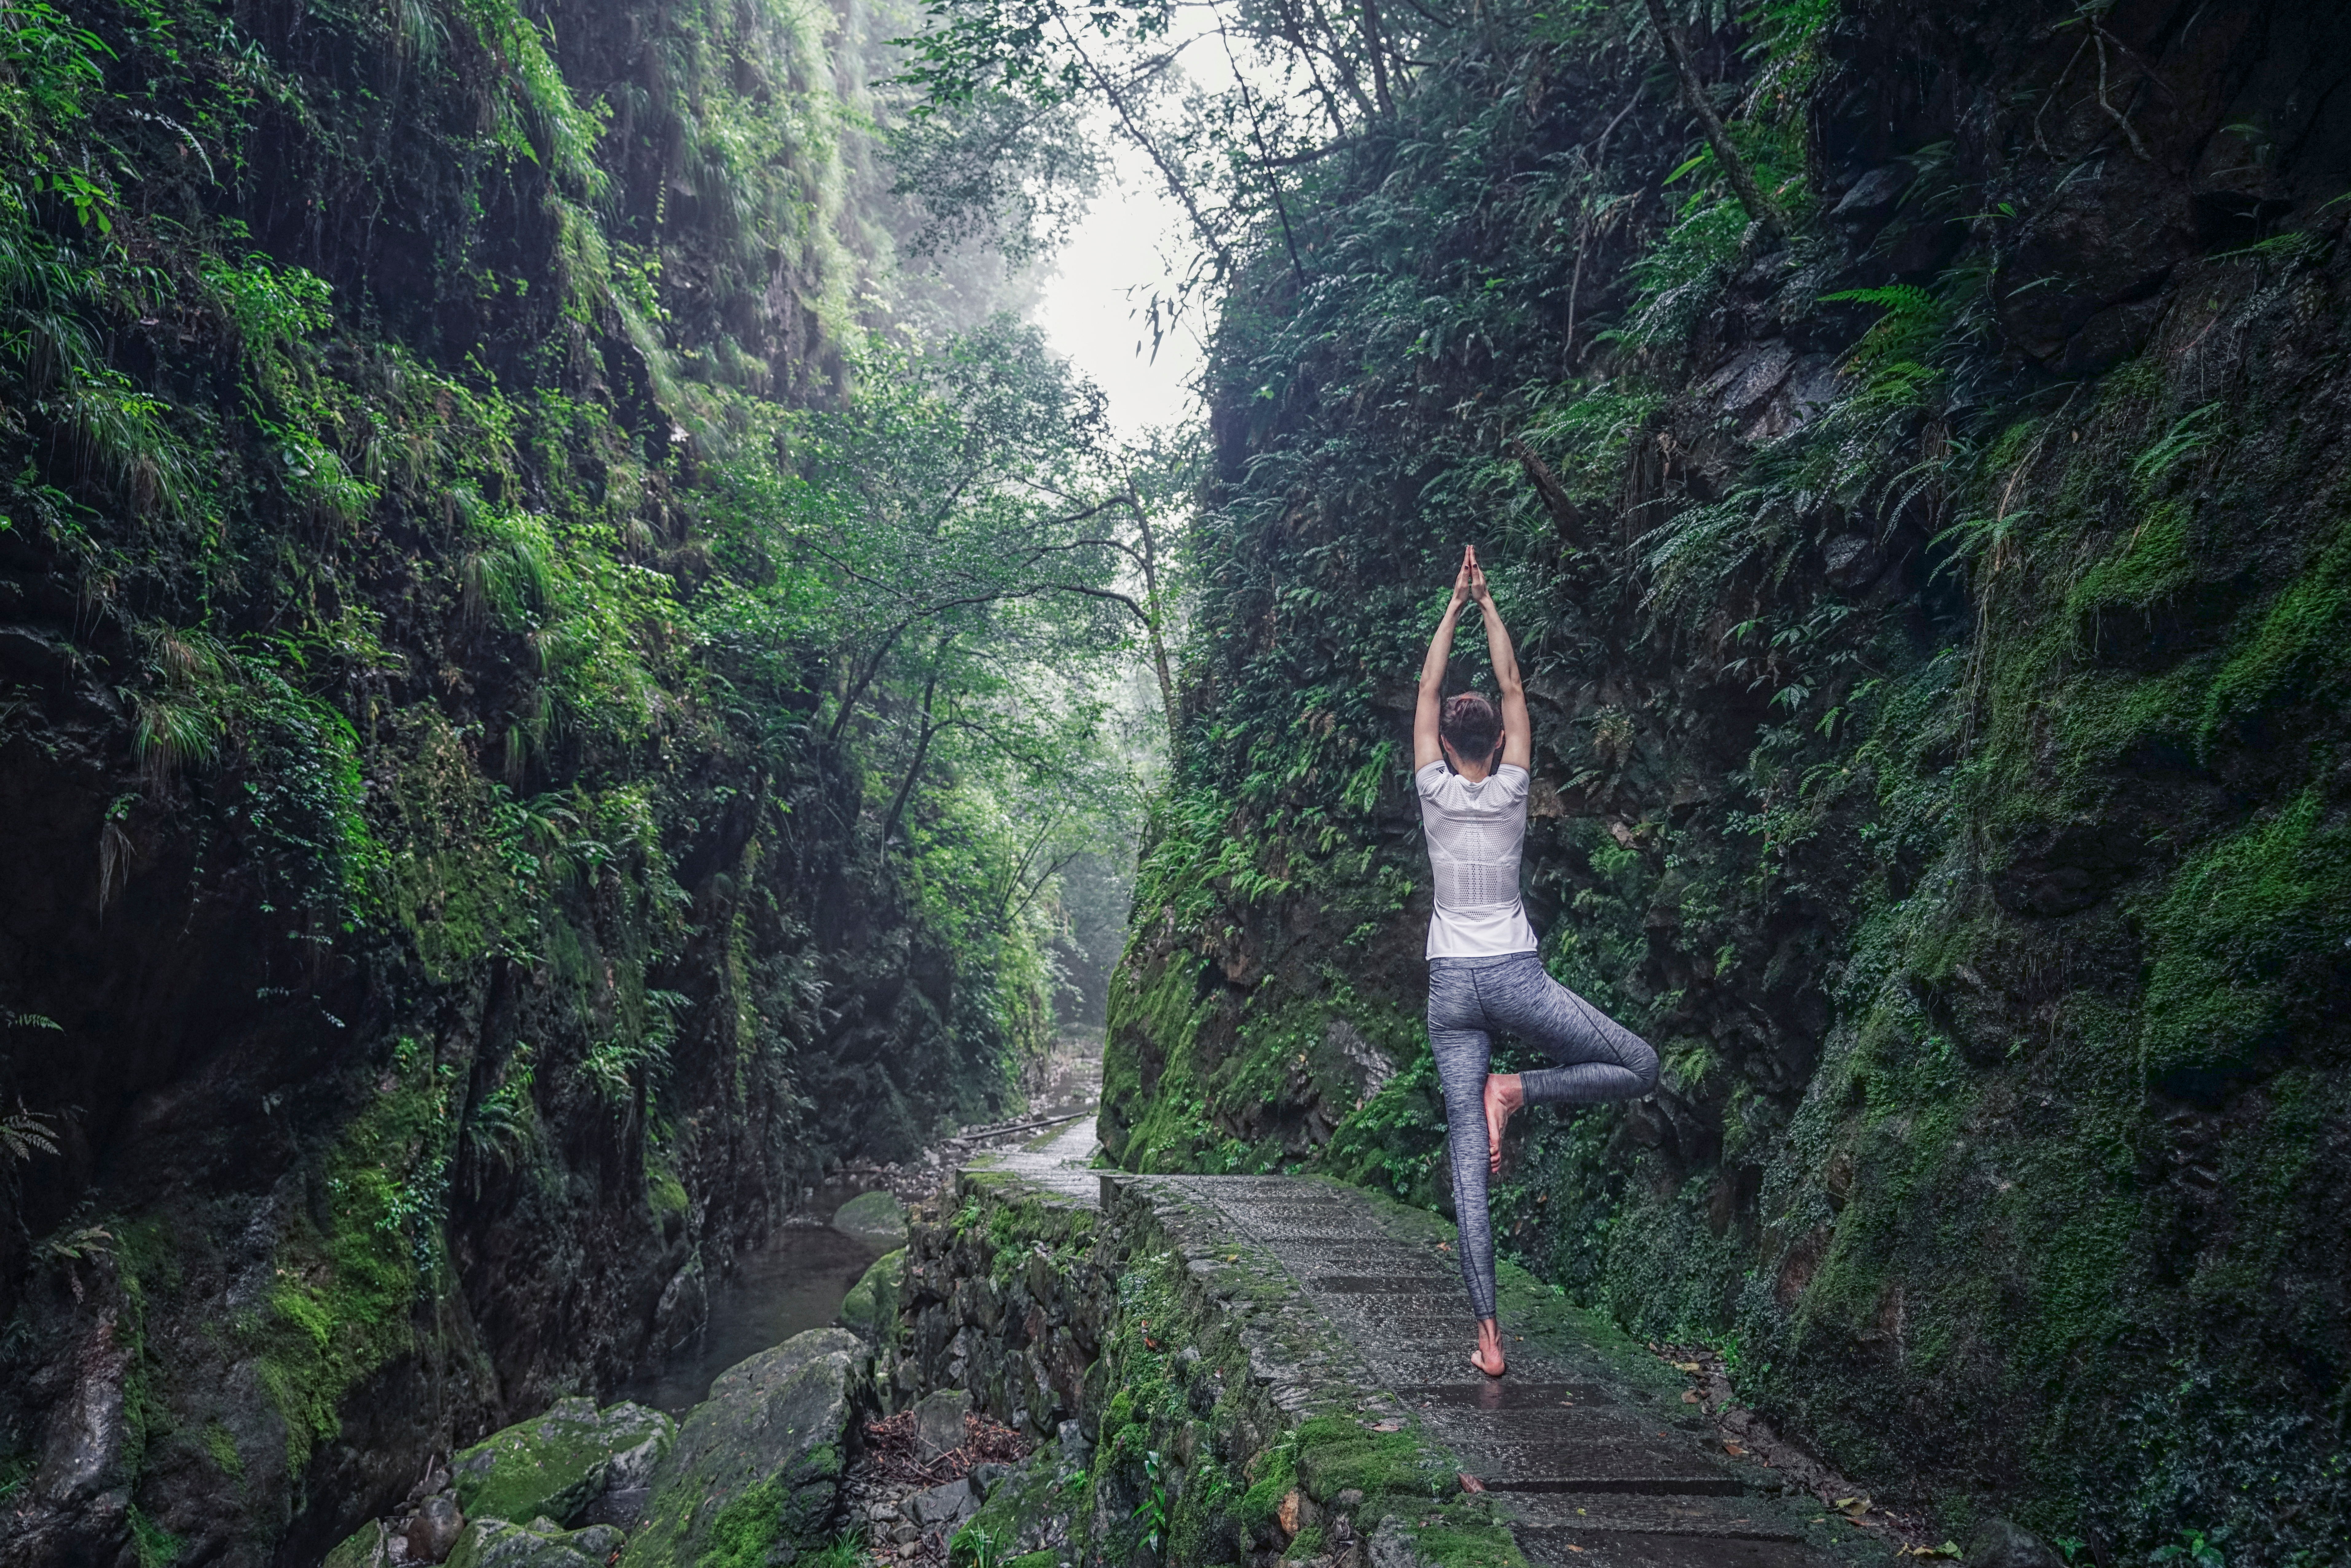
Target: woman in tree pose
{"points": [[1483, 973]]}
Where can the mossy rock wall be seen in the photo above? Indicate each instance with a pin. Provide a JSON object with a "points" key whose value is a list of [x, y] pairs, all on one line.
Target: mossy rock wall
{"points": [[435, 934], [1938, 636]]}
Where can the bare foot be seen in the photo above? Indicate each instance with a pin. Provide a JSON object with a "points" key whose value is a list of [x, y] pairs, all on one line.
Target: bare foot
{"points": [[1504, 1095], [1488, 1357]]}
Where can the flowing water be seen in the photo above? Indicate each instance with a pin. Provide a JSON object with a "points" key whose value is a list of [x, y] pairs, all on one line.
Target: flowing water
{"points": [[796, 1280], [792, 1283]]}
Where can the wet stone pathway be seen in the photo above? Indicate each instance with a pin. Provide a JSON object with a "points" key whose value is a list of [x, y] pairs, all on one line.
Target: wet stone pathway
{"points": [[1056, 1164], [1595, 1472]]}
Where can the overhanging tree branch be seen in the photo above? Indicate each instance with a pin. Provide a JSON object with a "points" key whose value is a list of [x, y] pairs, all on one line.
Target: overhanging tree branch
{"points": [[1761, 208], [1373, 46], [1177, 186], [1264, 153], [857, 689]]}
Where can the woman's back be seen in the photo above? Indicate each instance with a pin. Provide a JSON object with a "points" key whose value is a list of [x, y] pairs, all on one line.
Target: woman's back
{"points": [[1475, 833]]}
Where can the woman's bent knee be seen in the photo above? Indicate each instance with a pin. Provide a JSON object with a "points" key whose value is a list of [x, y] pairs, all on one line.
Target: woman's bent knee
{"points": [[1642, 1060]]}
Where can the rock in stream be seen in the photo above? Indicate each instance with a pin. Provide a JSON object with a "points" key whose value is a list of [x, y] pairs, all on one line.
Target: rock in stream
{"points": [[758, 1463]]}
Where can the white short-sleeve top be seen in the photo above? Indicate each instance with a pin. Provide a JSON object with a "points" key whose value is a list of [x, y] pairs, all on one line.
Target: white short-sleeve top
{"points": [[1475, 833]]}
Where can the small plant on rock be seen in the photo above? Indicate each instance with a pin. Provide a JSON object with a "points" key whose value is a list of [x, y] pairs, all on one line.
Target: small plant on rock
{"points": [[2194, 1549], [25, 1134], [1151, 1511], [973, 1547]]}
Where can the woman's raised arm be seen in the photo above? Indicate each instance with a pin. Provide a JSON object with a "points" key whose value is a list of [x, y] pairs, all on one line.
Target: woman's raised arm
{"points": [[1426, 748], [1518, 729]]}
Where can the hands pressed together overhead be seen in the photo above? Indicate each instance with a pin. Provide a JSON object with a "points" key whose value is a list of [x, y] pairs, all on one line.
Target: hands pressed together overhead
{"points": [[1469, 586], [1469, 582]]}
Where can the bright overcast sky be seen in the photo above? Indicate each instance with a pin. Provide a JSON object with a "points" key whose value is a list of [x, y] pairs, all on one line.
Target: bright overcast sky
{"points": [[1103, 278]]}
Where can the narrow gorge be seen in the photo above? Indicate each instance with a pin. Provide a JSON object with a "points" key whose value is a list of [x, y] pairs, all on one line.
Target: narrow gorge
{"points": [[587, 671]]}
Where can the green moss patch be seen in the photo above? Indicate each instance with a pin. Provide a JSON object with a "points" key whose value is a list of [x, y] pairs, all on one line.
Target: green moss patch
{"points": [[871, 1308], [557, 1463], [345, 1297], [2248, 943]]}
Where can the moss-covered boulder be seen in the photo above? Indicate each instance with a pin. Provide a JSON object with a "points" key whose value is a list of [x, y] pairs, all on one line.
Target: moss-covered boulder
{"points": [[541, 1544], [756, 1464], [877, 1217], [872, 1304], [557, 1463], [1029, 1509], [370, 1546]]}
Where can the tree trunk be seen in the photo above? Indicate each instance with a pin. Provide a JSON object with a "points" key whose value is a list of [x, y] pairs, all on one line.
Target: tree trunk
{"points": [[1153, 623], [922, 748], [1378, 52]]}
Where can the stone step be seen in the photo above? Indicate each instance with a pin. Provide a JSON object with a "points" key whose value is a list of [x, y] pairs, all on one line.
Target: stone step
{"points": [[1572, 1548], [1573, 1515], [1507, 1394], [1406, 1324], [1606, 1456], [1382, 1256]]}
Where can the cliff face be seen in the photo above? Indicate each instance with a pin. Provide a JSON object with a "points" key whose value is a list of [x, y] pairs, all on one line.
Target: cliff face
{"points": [[434, 935], [1936, 627]]}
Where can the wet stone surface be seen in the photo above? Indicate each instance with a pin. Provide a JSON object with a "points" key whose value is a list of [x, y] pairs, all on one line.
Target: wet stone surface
{"points": [[1056, 1163], [1592, 1471]]}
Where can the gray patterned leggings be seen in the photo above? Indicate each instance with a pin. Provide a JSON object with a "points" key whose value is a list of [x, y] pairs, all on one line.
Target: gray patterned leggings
{"points": [[1599, 1059]]}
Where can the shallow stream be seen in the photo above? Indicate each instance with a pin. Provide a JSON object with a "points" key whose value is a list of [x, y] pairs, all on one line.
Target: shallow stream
{"points": [[792, 1283], [797, 1280]]}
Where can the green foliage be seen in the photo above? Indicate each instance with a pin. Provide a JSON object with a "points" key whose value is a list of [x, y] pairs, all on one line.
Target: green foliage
{"points": [[502, 1128], [71, 1244], [994, 169], [537, 113], [271, 310], [1395, 1141], [1150, 1515], [1892, 359], [843, 1552], [2190, 434], [2192, 1550], [1786, 34]]}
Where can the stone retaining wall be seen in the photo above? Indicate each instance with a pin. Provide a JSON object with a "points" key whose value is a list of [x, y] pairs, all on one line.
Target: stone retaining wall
{"points": [[1194, 1413], [1003, 1298]]}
